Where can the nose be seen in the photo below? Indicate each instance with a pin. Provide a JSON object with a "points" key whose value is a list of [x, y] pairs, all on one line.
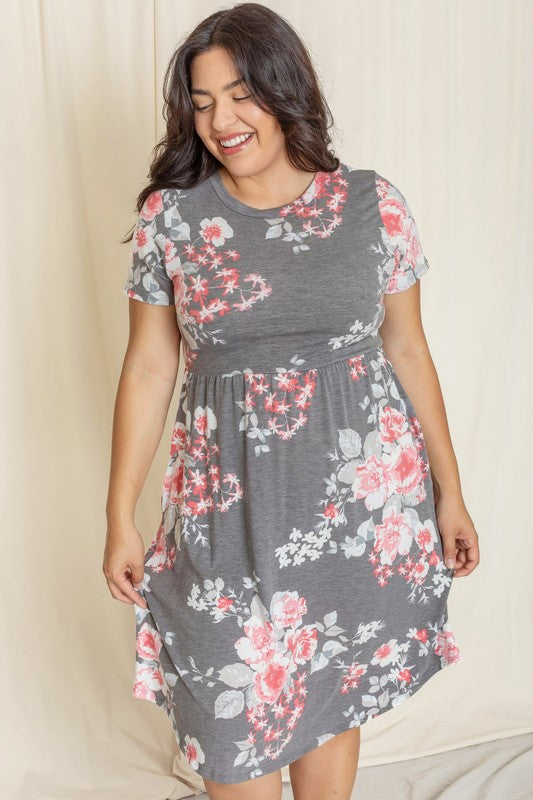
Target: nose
{"points": [[223, 118]]}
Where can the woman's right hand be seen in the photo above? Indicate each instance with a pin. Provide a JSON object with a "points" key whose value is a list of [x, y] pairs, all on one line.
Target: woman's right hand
{"points": [[123, 564]]}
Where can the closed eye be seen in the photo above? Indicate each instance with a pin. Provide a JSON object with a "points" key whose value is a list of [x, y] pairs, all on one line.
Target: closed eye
{"points": [[237, 99]]}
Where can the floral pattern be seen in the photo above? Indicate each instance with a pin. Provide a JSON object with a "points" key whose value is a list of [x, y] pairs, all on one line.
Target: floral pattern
{"points": [[281, 399], [297, 461], [404, 262], [278, 650], [193, 486], [386, 473], [317, 213]]}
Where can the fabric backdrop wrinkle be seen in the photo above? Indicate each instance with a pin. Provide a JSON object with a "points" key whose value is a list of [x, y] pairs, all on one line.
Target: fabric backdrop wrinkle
{"points": [[437, 97]]}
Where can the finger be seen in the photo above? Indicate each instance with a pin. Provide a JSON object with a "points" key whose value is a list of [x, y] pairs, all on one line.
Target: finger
{"points": [[117, 594], [127, 593], [127, 580], [136, 579], [467, 565], [462, 571], [459, 566], [449, 553]]}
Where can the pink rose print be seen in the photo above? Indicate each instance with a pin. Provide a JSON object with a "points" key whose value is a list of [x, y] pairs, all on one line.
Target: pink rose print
{"points": [[288, 609], [446, 647], [193, 752], [393, 537], [406, 472], [426, 538], [405, 260], [302, 644], [224, 603], [371, 483], [392, 424], [259, 643], [148, 681], [269, 682], [277, 653], [393, 213], [148, 642], [386, 653], [421, 635], [152, 206], [405, 676], [391, 478]]}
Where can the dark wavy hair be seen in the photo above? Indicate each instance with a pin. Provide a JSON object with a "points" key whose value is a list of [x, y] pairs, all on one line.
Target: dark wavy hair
{"points": [[277, 69]]}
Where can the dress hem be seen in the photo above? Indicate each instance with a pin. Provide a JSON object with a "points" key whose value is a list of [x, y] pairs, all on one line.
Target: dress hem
{"points": [[307, 748]]}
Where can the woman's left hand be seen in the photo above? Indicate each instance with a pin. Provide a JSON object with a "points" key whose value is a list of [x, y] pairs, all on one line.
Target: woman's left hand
{"points": [[459, 537]]}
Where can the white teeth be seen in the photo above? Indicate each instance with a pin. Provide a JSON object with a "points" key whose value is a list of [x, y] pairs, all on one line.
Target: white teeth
{"points": [[233, 142]]}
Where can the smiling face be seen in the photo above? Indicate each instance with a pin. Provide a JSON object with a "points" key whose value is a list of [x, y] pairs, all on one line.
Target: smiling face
{"points": [[225, 110]]}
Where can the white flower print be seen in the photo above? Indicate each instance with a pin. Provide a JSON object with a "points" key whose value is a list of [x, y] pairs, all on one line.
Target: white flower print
{"points": [[215, 231]]}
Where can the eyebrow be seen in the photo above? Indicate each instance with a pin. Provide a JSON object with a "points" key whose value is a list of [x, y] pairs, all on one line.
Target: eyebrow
{"points": [[225, 88]]}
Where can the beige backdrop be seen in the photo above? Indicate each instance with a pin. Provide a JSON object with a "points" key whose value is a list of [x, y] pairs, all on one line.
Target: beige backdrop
{"points": [[436, 96]]}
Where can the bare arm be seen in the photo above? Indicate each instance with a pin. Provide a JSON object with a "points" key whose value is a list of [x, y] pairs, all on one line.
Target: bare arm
{"points": [[145, 389], [405, 344]]}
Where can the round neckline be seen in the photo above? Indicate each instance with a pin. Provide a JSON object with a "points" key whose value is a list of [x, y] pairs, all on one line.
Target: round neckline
{"points": [[218, 185]]}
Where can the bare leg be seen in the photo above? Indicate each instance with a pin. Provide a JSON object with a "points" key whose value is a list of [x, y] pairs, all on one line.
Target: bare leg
{"points": [[265, 787], [327, 772]]}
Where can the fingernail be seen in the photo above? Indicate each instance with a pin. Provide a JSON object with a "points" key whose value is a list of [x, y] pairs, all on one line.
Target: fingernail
{"points": [[450, 563]]}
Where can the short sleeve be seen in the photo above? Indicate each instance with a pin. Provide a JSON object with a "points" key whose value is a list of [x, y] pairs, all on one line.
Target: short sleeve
{"points": [[405, 261], [148, 279]]}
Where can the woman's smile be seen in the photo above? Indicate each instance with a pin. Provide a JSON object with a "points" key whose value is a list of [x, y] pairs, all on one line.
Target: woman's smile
{"points": [[236, 147]]}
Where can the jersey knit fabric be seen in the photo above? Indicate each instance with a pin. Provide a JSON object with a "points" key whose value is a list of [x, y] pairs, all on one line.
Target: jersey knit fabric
{"points": [[296, 585]]}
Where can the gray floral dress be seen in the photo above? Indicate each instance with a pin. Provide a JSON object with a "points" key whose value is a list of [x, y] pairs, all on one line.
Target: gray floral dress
{"points": [[295, 585]]}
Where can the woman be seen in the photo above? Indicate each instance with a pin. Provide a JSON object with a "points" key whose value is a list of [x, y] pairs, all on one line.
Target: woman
{"points": [[297, 584]]}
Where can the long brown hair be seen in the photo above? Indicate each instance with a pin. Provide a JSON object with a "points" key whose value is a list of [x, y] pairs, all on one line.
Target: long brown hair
{"points": [[277, 70]]}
